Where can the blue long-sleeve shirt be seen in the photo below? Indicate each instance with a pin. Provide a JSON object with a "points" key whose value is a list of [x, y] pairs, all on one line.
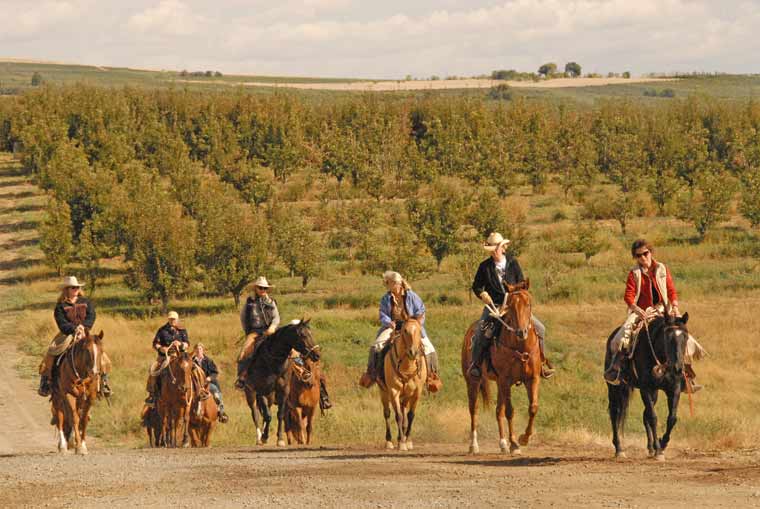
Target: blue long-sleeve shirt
{"points": [[414, 306]]}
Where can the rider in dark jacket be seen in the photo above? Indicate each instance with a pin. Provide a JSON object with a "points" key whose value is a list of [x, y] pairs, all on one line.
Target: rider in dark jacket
{"points": [[212, 377]]}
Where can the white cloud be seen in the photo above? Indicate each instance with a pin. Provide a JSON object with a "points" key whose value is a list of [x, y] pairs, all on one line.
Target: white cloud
{"points": [[169, 17], [20, 19]]}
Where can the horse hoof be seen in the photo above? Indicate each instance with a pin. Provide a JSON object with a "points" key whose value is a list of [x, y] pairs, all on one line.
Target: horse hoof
{"points": [[409, 445], [474, 449], [650, 454], [259, 442], [389, 446], [402, 446], [660, 456], [503, 445], [515, 450], [620, 455], [524, 439], [82, 450], [63, 450], [185, 445], [281, 443]]}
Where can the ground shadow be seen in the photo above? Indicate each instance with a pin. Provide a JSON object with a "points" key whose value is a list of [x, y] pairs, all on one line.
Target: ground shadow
{"points": [[19, 263], [517, 461], [18, 195], [29, 207], [16, 244], [15, 227]]}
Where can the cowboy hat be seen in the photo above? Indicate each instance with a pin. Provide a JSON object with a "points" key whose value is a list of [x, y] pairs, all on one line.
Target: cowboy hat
{"points": [[262, 282], [70, 281], [494, 241], [173, 315]]}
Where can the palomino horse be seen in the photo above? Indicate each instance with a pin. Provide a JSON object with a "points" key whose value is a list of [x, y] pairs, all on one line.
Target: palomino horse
{"points": [[658, 365], [405, 372], [266, 382], [78, 378], [302, 402], [516, 358], [175, 397], [203, 415]]}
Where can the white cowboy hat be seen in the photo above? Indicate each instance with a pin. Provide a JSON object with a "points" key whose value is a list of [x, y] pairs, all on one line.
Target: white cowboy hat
{"points": [[262, 282], [390, 276], [69, 281], [173, 315], [495, 240]]}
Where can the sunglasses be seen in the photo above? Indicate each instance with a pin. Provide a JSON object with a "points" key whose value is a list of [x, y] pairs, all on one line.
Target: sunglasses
{"points": [[642, 254]]}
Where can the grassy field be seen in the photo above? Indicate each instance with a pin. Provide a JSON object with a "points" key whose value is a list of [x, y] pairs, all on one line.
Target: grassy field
{"points": [[718, 280]]}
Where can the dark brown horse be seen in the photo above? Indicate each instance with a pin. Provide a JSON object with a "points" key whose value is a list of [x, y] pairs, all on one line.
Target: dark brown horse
{"points": [[516, 358], [266, 381], [175, 396], [405, 374], [75, 388], [303, 401]]}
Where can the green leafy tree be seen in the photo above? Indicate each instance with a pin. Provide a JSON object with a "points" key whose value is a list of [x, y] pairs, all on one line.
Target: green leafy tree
{"points": [[707, 202], [547, 69], [586, 239], [750, 201], [36, 79], [573, 69], [55, 235]]}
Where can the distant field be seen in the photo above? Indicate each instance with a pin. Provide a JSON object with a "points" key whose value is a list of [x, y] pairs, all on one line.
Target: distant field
{"points": [[16, 76]]}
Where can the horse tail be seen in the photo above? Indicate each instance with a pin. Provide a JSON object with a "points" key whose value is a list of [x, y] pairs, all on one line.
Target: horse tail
{"points": [[619, 397]]}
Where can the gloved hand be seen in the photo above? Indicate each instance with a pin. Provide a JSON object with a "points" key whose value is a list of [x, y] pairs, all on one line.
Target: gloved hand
{"points": [[486, 298], [270, 330], [399, 324]]}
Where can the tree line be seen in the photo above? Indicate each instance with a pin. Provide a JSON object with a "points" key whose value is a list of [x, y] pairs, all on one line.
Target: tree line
{"points": [[207, 188]]}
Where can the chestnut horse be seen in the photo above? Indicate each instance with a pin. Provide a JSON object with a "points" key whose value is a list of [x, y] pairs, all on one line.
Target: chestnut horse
{"points": [[516, 358], [203, 415], [405, 374], [266, 381], [76, 387], [175, 397], [302, 402]]}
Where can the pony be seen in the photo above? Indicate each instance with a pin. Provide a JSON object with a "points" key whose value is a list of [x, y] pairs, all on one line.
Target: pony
{"points": [[203, 417], [266, 380], [516, 359], [303, 402], [175, 396], [77, 379], [405, 372], [657, 364]]}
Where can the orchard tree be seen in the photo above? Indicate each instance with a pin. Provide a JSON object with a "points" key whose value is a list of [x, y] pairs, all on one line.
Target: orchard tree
{"points": [[707, 201], [55, 235], [750, 202], [547, 69], [573, 69]]}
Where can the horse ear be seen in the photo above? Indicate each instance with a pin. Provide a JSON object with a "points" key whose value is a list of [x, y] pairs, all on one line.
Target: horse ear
{"points": [[305, 321], [100, 336], [511, 288], [527, 284], [685, 318]]}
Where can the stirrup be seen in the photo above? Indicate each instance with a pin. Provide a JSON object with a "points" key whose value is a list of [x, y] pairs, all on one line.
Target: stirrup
{"points": [[240, 384], [546, 371], [612, 376]]}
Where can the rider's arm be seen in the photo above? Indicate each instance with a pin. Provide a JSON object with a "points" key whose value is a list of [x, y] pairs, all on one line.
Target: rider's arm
{"points": [[64, 325], [385, 311], [671, 288], [89, 319], [213, 371], [275, 316], [418, 307]]}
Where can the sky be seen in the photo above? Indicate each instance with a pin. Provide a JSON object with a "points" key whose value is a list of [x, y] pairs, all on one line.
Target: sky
{"points": [[387, 38]]}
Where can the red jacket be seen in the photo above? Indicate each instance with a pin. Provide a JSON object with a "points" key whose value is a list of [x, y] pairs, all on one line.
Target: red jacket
{"points": [[645, 293]]}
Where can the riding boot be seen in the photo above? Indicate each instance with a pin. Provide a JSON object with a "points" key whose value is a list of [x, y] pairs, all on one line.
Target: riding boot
{"points": [[369, 377], [152, 388], [105, 387], [242, 369], [547, 370], [433, 381], [221, 416], [44, 389], [691, 379], [324, 398], [612, 373], [478, 349]]}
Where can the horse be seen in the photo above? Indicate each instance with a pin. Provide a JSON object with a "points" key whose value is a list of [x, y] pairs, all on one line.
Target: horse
{"points": [[405, 372], [175, 397], [657, 365], [152, 424], [516, 359], [266, 382], [303, 402], [203, 417], [76, 387]]}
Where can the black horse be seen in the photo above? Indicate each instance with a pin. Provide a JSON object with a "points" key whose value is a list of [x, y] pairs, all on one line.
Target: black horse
{"points": [[657, 364], [266, 381]]}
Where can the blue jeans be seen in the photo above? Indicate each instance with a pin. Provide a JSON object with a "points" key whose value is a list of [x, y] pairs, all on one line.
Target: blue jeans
{"points": [[217, 393]]}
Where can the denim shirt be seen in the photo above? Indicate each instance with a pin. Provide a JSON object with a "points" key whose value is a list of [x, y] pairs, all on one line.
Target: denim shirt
{"points": [[414, 307]]}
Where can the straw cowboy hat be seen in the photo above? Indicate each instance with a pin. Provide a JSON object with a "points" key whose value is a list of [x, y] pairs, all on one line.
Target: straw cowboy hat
{"points": [[262, 282], [173, 315], [70, 281], [494, 241]]}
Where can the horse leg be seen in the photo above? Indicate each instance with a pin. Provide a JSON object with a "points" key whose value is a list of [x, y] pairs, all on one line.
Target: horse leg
{"points": [[500, 414], [412, 406], [617, 397], [472, 396], [673, 398], [83, 421], [263, 405], [514, 447], [281, 408], [185, 413], [531, 387], [649, 398], [309, 421], [60, 413], [387, 416], [399, 413], [251, 399], [301, 430], [71, 403]]}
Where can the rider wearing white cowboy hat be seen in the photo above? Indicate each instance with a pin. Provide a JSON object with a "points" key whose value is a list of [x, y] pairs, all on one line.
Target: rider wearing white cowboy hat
{"points": [[73, 313], [494, 273], [259, 318]]}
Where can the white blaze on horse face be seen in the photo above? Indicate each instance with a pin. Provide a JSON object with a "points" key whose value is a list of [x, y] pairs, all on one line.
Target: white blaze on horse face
{"points": [[95, 358], [295, 322]]}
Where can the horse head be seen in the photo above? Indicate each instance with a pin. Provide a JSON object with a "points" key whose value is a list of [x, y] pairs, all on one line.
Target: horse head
{"points": [[675, 335], [302, 340], [411, 338], [184, 381], [517, 309], [86, 352]]}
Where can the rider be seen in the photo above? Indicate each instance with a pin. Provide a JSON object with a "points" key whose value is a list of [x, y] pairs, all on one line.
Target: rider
{"points": [[260, 318], [396, 306], [73, 313], [493, 274], [212, 377], [165, 337], [648, 290]]}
